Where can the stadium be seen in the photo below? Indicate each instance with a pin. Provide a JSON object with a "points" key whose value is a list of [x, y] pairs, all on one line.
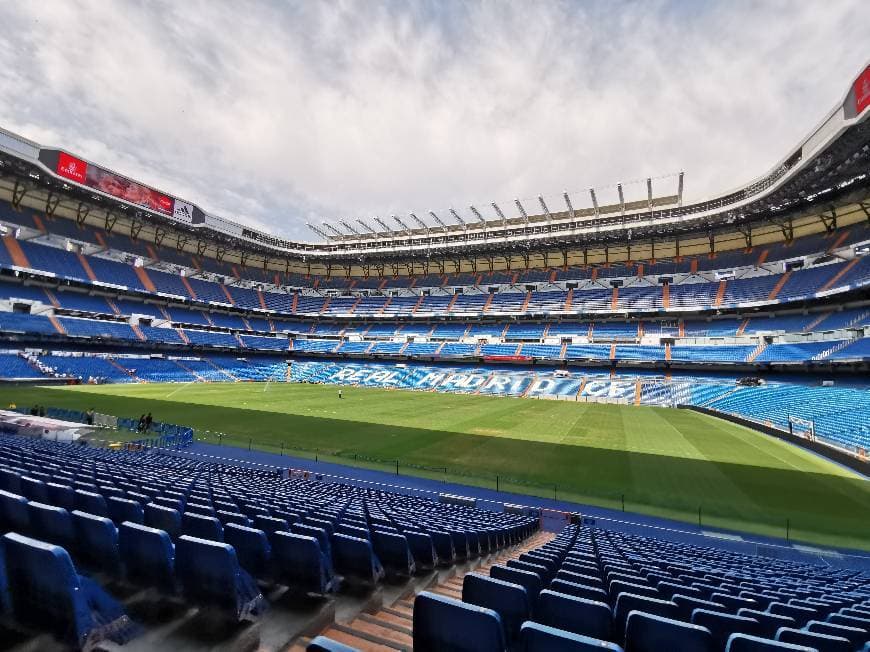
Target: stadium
{"points": [[616, 419]]}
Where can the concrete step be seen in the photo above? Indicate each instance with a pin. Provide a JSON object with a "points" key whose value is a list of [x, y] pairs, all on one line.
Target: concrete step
{"points": [[369, 627]]}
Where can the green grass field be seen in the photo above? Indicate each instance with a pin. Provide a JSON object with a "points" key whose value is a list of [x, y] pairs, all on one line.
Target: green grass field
{"points": [[664, 462]]}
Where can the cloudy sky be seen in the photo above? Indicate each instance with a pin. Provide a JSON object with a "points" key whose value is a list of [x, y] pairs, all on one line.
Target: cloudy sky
{"points": [[276, 113]]}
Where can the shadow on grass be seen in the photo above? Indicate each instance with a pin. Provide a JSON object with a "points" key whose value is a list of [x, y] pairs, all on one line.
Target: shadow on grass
{"points": [[822, 508]]}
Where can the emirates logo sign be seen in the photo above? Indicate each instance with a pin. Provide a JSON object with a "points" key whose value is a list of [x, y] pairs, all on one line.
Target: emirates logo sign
{"points": [[71, 167]]}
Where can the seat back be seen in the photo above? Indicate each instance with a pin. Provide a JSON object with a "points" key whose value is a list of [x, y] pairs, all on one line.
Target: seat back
{"points": [[202, 527], [749, 643], [51, 524], [61, 495], [422, 549], [579, 590], [96, 542], [628, 602], [91, 503], [163, 518], [34, 489], [44, 588], [856, 635], [442, 623], [122, 509], [207, 571], [573, 614], [252, 548], [540, 638], [722, 625], [650, 633], [355, 559], [147, 555], [529, 581], [299, 562], [822, 642], [394, 553], [508, 600], [326, 644], [13, 512]]}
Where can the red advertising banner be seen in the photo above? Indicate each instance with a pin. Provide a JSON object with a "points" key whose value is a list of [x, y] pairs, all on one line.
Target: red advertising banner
{"points": [[506, 358], [71, 167], [862, 91], [80, 171]]}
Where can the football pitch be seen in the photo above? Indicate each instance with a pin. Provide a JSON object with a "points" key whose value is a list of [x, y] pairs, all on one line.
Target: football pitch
{"points": [[657, 461]]}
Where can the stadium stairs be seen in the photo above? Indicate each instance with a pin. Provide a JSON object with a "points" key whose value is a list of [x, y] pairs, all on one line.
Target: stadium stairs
{"points": [[389, 627]]}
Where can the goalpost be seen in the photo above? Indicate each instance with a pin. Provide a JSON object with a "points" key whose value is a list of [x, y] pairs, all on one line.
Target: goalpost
{"points": [[805, 428]]}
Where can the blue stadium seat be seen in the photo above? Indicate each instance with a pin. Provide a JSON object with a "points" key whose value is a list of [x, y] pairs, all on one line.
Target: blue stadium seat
{"points": [[122, 509], [10, 481], [13, 512], [768, 624], [163, 518], [444, 548], [209, 575], [817, 640], [202, 527], [686, 604], [97, 542], [748, 643], [573, 614], [801, 615], [535, 637], [855, 635], [46, 593], [326, 644], [148, 556], [61, 495], [579, 590], [299, 562], [422, 549], [852, 621], [394, 553], [322, 538], [51, 524], [34, 489], [540, 571], [252, 548], [355, 559], [91, 502], [508, 600], [650, 633], [442, 623], [628, 602], [529, 581], [722, 625]]}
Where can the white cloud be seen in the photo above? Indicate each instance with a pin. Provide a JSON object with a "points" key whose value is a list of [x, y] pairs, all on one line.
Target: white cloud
{"points": [[277, 114]]}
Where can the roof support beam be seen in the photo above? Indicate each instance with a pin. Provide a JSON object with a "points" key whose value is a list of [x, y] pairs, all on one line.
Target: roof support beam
{"points": [[571, 211], [500, 214], [438, 220], [522, 211], [545, 209]]}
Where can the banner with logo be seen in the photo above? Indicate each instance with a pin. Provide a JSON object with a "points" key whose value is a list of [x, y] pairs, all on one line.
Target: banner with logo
{"points": [[87, 174], [183, 212], [862, 91]]}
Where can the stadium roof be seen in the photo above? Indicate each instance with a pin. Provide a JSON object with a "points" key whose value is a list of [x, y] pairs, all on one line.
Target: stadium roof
{"points": [[828, 168]]}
